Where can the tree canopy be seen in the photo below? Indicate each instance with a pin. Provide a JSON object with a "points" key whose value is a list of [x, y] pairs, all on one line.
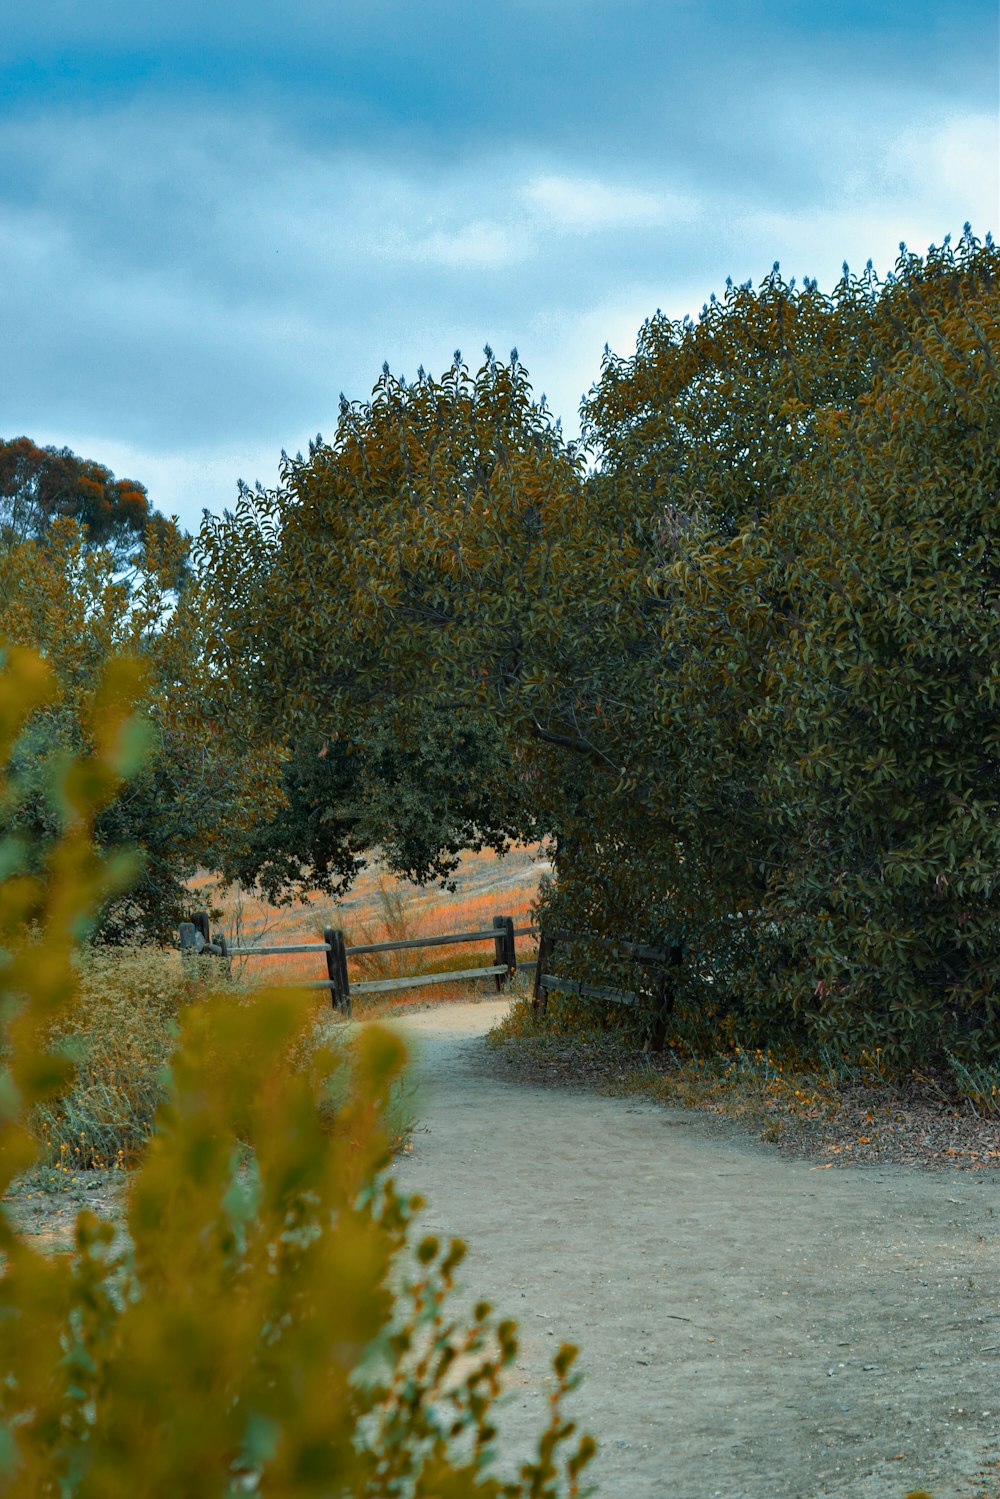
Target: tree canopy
{"points": [[40, 485], [203, 783], [735, 645]]}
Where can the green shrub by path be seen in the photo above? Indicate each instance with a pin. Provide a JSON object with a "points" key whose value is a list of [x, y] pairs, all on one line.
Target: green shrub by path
{"points": [[270, 1326]]}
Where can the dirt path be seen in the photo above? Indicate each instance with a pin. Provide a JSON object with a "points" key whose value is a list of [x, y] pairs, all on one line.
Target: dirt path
{"points": [[751, 1326]]}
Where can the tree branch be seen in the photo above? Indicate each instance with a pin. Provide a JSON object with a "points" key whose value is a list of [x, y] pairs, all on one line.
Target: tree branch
{"points": [[577, 746]]}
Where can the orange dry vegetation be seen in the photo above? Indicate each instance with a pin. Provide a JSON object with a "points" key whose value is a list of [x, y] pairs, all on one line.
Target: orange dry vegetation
{"points": [[382, 908]]}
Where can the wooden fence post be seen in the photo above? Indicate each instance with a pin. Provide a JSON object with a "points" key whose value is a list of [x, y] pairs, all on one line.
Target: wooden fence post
{"points": [[336, 967], [503, 948], [345, 983], [508, 922], [196, 937], [539, 997], [189, 947], [665, 995]]}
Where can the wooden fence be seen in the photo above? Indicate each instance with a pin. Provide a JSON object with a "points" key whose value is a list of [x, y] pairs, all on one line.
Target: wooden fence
{"points": [[661, 997], [196, 938]]}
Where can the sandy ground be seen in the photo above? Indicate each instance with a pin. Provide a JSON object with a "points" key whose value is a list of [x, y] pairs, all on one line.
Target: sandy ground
{"points": [[751, 1326]]}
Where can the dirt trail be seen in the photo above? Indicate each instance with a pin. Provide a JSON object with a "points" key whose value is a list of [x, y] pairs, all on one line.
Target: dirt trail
{"points": [[751, 1326]]}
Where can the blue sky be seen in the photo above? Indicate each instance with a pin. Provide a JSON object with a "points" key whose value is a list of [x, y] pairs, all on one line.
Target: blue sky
{"points": [[215, 217]]}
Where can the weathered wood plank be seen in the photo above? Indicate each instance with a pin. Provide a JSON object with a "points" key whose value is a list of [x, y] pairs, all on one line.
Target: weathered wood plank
{"points": [[275, 950], [272, 951], [382, 986], [640, 951], [551, 981], [412, 942]]}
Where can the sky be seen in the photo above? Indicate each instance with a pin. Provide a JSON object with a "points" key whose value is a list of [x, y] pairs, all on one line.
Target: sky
{"points": [[215, 217]]}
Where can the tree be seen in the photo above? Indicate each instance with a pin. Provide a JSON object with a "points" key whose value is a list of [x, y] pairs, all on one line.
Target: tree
{"points": [[39, 485], [883, 719], [636, 632], [828, 747], [398, 589], [204, 783]]}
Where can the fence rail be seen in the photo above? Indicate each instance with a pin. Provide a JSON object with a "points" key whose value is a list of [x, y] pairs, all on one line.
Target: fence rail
{"points": [[196, 938], [661, 997]]}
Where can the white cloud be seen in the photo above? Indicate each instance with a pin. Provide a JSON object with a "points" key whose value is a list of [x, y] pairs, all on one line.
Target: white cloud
{"points": [[479, 245], [915, 185], [588, 204], [952, 163]]}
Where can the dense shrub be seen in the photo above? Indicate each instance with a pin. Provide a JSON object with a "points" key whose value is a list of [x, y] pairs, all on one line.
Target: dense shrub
{"points": [[267, 1326], [834, 668], [814, 811]]}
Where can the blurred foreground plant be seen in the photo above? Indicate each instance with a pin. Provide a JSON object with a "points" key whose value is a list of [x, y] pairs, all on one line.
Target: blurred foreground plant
{"points": [[266, 1329]]}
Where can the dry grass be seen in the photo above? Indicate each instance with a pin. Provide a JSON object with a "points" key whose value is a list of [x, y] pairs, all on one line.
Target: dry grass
{"points": [[381, 908], [121, 1035], [122, 1032]]}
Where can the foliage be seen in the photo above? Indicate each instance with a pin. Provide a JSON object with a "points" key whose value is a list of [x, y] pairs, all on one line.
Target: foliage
{"points": [[393, 592], [414, 785], [700, 435], [882, 710], [203, 783], [826, 666], [209, 1355], [311, 840], [740, 669], [121, 1033], [39, 486]]}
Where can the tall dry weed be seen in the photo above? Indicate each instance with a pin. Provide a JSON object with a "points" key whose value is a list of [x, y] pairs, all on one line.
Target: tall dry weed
{"points": [[121, 1035]]}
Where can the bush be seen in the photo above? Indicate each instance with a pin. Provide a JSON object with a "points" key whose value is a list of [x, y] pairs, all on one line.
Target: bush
{"points": [[267, 1327], [812, 804]]}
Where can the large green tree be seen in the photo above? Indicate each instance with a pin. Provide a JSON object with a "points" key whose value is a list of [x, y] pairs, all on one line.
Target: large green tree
{"points": [[414, 588], [827, 740], [882, 717], [634, 632]]}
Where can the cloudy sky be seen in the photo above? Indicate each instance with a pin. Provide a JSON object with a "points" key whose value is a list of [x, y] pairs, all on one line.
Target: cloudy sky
{"points": [[214, 217]]}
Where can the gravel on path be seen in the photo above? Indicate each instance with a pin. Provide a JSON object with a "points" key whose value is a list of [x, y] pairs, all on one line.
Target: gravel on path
{"points": [[751, 1325]]}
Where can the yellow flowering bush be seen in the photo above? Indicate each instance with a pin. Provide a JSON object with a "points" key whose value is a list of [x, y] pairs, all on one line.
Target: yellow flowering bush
{"points": [[265, 1325]]}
